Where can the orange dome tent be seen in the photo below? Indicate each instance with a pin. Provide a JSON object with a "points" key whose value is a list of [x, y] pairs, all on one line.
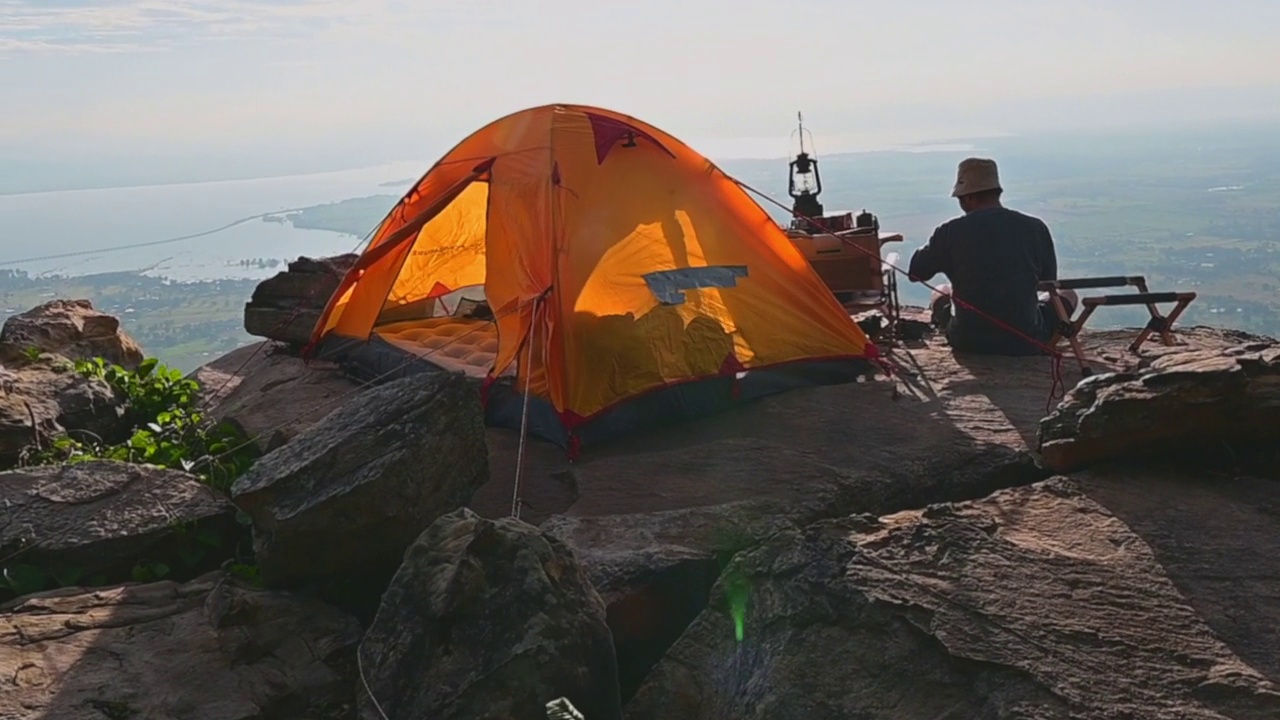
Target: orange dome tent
{"points": [[620, 267]]}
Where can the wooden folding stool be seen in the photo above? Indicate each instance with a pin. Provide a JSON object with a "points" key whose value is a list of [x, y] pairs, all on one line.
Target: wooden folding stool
{"points": [[1070, 329]]}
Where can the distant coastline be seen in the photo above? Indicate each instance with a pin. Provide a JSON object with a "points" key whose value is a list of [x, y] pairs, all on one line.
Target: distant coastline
{"points": [[355, 217]]}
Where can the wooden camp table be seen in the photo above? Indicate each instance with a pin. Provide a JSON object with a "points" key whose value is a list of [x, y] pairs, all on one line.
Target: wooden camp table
{"points": [[852, 266]]}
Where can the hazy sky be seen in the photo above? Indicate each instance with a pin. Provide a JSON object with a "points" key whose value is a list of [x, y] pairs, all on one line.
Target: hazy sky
{"points": [[387, 79]]}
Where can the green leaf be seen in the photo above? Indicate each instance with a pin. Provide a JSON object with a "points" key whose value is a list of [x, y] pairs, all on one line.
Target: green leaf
{"points": [[246, 573], [146, 367], [23, 579]]}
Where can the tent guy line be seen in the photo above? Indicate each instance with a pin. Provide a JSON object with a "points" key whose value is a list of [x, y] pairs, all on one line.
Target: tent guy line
{"points": [[516, 501]]}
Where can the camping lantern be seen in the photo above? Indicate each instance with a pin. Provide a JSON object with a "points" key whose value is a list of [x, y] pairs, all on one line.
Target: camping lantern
{"points": [[804, 183]]}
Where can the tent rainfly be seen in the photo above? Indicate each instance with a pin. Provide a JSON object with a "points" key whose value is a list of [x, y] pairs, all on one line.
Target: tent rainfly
{"points": [[629, 280]]}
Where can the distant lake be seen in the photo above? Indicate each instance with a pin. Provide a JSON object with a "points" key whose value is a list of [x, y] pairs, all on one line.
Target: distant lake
{"points": [[50, 223]]}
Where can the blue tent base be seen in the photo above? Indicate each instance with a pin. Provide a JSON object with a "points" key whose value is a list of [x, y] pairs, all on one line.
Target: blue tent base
{"points": [[380, 361], [671, 405]]}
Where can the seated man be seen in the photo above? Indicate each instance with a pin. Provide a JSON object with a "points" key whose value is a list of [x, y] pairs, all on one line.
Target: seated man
{"points": [[994, 257]]}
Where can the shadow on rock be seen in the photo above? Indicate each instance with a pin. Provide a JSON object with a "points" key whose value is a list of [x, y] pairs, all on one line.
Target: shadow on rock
{"points": [[1206, 530], [203, 650]]}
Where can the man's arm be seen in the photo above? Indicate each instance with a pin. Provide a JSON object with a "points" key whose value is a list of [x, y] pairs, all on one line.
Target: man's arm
{"points": [[1049, 259], [933, 258]]}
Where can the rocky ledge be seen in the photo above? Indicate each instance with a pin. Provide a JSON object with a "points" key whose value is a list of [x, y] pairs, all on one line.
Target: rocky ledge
{"points": [[1190, 398], [1036, 602]]}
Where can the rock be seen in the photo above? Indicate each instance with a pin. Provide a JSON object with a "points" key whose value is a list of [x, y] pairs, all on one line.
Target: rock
{"points": [[1208, 530], [655, 571], [351, 492], [489, 619], [46, 398], [1035, 602], [653, 517], [271, 396], [1191, 400], [204, 650], [72, 329], [42, 397], [287, 306], [20, 427], [103, 517]]}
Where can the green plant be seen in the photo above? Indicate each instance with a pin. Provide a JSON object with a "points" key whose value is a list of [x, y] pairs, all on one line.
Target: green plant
{"points": [[168, 428], [149, 571], [23, 579], [246, 573], [32, 353], [151, 389]]}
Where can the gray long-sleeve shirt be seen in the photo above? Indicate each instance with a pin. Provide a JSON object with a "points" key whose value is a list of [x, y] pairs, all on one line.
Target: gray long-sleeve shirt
{"points": [[994, 259]]}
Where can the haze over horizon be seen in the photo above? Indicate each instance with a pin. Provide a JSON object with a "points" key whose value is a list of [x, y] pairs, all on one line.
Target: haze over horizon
{"points": [[123, 91]]}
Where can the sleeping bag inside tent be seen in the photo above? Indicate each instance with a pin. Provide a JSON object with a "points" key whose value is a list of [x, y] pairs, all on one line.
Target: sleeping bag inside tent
{"points": [[597, 265]]}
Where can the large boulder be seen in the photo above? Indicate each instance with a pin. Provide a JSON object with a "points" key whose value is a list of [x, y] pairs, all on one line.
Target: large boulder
{"points": [[1196, 399], [488, 619], [104, 518], [1036, 602], [204, 650], [45, 398], [350, 493], [287, 306], [271, 396], [72, 329]]}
